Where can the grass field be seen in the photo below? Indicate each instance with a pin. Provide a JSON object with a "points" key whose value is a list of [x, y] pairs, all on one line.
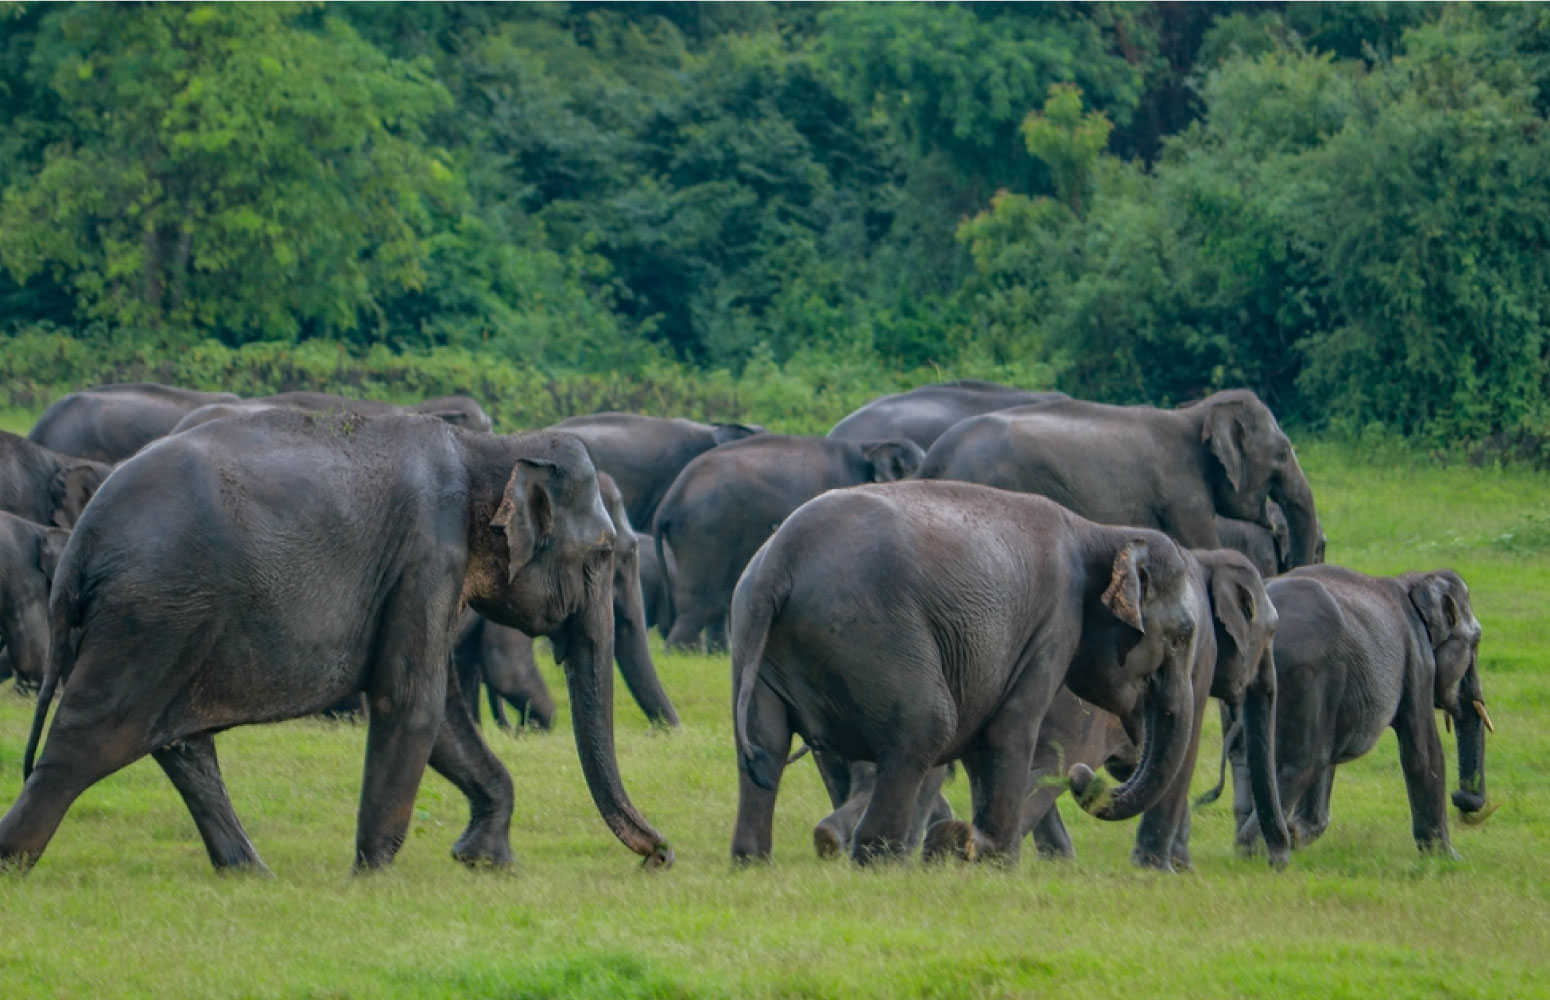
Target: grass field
{"points": [[124, 903]]}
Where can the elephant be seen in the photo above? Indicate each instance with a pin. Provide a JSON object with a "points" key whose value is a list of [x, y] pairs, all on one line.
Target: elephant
{"points": [[727, 501], [1355, 655], [296, 558], [911, 624], [499, 661], [645, 454], [506, 660], [922, 415], [1233, 662], [28, 554], [44, 486], [1171, 470], [108, 423], [459, 410]]}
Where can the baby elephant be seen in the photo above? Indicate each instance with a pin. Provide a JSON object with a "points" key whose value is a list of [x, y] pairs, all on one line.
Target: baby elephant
{"points": [[1356, 654], [28, 554]]}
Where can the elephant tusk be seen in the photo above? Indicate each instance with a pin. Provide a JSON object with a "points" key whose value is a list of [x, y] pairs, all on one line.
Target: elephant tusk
{"points": [[1485, 716]]}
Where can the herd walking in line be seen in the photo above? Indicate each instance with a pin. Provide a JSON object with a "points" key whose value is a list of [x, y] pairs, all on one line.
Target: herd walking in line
{"points": [[1033, 587]]}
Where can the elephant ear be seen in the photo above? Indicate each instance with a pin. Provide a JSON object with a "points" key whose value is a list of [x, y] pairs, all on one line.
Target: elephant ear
{"points": [[70, 491], [526, 512], [1127, 584], [1239, 603], [613, 502], [892, 460], [1434, 601], [1226, 431]]}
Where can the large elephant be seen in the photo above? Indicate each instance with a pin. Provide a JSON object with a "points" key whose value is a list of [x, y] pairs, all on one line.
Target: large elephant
{"points": [[44, 486], [1356, 655], [504, 658], [645, 454], [727, 501], [108, 423], [922, 415], [459, 410], [291, 560], [28, 554], [918, 623], [1172, 470], [1232, 662]]}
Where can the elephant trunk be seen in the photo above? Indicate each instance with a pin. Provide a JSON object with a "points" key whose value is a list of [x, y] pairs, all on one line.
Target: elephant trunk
{"points": [[1469, 798], [1259, 733], [585, 647], [1295, 496], [634, 653], [1168, 710]]}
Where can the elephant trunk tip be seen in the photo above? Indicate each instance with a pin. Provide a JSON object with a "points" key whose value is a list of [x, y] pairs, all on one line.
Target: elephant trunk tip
{"points": [[661, 856], [1091, 792]]}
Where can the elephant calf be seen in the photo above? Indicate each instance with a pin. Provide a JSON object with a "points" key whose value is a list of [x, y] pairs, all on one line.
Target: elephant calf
{"points": [[28, 554], [727, 501], [919, 623], [44, 486], [1355, 655]]}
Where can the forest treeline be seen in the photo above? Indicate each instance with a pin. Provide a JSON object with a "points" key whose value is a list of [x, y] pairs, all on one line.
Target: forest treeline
{"points": [[712, 207]]}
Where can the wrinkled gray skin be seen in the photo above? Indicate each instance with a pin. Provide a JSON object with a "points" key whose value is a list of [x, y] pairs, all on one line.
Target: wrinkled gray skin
{"points": [[727, 501], [1172, 470], [645, 454], [458, 410], [44, 486], [293, 560], [1269, 549], [918, 623], [1233, 662], [1356, 655], [922, 415], [108, 423], [28, 554], [505, 661]]}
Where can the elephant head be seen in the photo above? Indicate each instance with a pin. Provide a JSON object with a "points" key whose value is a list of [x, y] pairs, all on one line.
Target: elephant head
{"points": [[1140, 669], [727, 433], [1253, 459], [630, 645], [550, 572], [1244, 677], [1441, 601], [892, 460], [72, 487]]}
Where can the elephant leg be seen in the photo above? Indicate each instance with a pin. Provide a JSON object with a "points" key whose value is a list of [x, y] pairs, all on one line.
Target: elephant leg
{"points": [[930, 807], [461, 756], [1310, 817], [497, 708], [836, 774], [884, 830], [691, 621], [1238, 759], [1292, 783], [1051, 838], [1164, 825], [716, 633], [511, 671], [834, 833], [195, 772], [406, 695], [998, 766], [91, 737], [1181, 860], [1421, 758], [769, 729]]}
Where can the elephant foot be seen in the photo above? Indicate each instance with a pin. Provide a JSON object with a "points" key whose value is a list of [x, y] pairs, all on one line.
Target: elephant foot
{"points": [[1154, 860], [828, 842], [483, 849], [1439, 848], [1056, 852], [953, 838]]}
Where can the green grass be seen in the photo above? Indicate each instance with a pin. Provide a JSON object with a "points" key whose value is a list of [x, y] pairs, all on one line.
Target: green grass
{"points": [[125, 904]]}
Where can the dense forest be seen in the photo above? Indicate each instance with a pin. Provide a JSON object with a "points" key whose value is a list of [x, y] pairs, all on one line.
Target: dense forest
{"points": [[722, 207]]}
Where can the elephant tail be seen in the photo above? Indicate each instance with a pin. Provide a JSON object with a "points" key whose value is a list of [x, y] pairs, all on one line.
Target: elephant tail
{"points": [[64, 612], [1212, 794], [759, 596], [669, 610]]}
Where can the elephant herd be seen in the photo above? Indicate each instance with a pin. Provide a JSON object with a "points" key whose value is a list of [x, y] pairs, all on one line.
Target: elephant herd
{"points": [[1032, 586]]}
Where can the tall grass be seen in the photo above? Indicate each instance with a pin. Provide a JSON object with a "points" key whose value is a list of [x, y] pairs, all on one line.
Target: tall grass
{"points": [[124, 903]]}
